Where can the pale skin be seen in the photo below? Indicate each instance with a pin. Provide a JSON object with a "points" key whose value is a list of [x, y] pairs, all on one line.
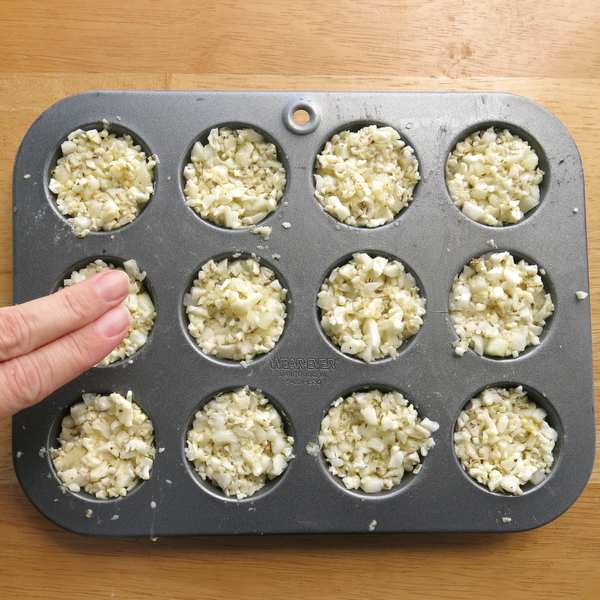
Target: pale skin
{"points": [[47, 342]]}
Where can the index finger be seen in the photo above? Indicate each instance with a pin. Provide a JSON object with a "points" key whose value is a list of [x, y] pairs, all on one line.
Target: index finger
{"points": [[26, 327]]}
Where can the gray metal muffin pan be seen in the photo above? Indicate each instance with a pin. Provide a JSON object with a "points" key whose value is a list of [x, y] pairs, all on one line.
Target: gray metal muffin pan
{"points": [[171, 378]]}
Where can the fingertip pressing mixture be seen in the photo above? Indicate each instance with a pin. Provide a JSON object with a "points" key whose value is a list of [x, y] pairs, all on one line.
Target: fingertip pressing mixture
{"points": [[138, 303], [366, 177], [236, 309], [238, 442], [371, 439], [498, 307], [235, 180], [106, 446], [369, 306], [101, 181], [503, 441], [493, 177]]}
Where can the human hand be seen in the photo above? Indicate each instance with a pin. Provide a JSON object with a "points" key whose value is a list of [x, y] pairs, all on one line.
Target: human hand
{"points": [[47, 342]]}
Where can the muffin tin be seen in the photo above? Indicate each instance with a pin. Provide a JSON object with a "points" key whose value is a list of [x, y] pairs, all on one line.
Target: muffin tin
{"points": [[171, 378]]}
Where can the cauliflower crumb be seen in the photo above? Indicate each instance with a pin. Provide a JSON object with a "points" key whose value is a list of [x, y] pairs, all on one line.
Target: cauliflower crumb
{"points": [[286, 225], [138, 303], [313, 449], [101, 181], [503, 440], [575, 210], [19, 454], [27, 176], [580, 295], [506, 520], [276, 256], [114, 518], [106, 446], [264, 231], [236, 309], [88, 513], [493, 177], [366, 177], [371, 439], [238, 442], [236, 179], [498, 307], [372, 525], [369, 306], [153, 505]]}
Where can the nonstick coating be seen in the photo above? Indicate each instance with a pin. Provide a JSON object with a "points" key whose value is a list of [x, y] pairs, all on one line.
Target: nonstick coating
{"points": [[170, 377]]}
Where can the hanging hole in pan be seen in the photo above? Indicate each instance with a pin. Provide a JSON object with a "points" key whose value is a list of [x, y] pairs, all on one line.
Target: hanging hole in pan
{"points": [[301, 117]]}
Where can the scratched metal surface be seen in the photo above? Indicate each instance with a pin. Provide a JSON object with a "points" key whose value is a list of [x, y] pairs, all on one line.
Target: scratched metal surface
{"points": [[170, 378]]}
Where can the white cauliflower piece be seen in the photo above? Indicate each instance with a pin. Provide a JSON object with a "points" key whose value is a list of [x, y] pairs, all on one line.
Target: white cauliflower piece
{"points": [[498, 307], [503, 440], [106, 446], [366, 177], [238, 442], [236, 179], [371, 439], [101, 181], [493, 177], [236, 309], [369, 306]]}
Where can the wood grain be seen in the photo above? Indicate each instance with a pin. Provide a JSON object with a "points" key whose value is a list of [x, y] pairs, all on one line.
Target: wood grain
{"points": [[548, 51]]}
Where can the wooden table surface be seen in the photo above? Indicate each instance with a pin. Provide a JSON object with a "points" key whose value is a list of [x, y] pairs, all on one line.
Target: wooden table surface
{"points": [[548, 51]]}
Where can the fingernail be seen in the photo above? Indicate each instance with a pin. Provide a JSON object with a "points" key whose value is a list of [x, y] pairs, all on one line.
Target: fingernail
{"points": [[111, 285], [113, 323]]}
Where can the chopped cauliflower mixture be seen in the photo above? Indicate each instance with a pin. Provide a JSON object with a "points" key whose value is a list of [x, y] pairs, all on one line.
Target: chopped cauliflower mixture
{"points": [[371, 439], [366, 177], [498, 307], [138, 303], [503, 440], [238, 442], [101, 181], [369, 306], [106, 446], [236, 309], [493, 177], [235, 180]]}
